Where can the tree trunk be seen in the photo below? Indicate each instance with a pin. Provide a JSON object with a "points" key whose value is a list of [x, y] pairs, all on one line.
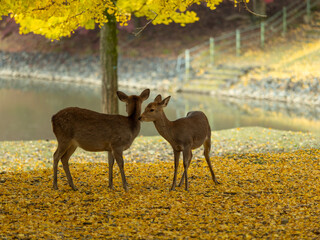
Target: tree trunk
{"points": [[109, 65]]}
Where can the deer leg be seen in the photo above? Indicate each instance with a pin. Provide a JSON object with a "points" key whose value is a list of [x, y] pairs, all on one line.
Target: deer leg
{"points": [[181, 180], [111, 162], [176, 166], [207, 146], [61, 150], [118, 156], [65, 164], [187, 154], [183, 176]]}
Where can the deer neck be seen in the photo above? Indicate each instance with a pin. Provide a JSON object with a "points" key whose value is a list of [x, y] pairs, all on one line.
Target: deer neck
{"points": [[133, 120], [164, 127]]}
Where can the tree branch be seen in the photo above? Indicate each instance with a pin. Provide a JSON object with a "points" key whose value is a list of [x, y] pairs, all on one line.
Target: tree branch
{"points": [[250, 11], [65, 3], [144, 27]]}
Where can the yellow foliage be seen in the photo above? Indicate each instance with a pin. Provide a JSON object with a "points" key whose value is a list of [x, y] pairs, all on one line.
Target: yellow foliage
{"points": [[262, 196], [56, 19]]}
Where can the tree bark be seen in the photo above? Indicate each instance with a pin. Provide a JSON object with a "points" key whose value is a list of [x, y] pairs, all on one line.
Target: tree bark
{"points": [[109, 65]]}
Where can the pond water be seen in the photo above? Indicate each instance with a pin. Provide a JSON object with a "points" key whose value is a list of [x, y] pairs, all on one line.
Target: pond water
{"points": [[26, 108]]}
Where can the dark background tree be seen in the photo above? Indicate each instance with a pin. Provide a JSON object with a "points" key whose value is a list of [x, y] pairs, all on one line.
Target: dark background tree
{"points": [[109, 65]]}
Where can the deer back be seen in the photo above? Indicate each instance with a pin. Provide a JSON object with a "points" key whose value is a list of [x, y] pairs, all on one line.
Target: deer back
{"points": [[191, 130]]}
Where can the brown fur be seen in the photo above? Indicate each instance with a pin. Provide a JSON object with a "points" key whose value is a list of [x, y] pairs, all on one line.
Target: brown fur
{"points": [[183, 134], [92, 131]]}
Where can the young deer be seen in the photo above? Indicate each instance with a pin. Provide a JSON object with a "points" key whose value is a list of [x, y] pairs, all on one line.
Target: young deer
{"points": [[93, 131], [183, 134]]}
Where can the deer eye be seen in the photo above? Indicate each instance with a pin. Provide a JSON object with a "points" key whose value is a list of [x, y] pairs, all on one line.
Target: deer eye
{"points": [[151, 110]]}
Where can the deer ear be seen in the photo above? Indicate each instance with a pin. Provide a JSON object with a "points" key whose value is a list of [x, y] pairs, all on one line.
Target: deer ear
{"points": [[158, 98], [145, 94], [122, 96], [165, 101]]}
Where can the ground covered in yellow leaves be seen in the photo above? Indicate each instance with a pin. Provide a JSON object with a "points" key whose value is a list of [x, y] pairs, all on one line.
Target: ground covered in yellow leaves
{"points": [[263, 195]]}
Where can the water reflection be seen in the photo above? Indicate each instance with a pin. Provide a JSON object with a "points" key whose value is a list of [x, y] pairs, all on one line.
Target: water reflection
{"points": [[26, 108]]}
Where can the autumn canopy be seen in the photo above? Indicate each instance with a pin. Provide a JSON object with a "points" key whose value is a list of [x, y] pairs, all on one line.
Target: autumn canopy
{"points": [[59, 18]]}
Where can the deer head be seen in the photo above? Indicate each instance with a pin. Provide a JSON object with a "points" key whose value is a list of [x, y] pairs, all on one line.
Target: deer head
{"points": [[154, 110], [132, 102]]}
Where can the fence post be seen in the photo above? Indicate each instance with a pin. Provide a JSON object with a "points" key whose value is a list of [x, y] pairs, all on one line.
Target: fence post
{"points": [[211, 51], [262, 32], [238, 43], [284, 21], [187, 62], [308, 11], [178, 68]]}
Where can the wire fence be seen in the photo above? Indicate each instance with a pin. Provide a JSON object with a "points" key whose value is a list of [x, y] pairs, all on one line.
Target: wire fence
{"points": [[238, 41]]}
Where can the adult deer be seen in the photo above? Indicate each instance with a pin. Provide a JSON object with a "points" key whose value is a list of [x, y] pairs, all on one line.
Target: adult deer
{"points": [[92, 131], [183, 134]]}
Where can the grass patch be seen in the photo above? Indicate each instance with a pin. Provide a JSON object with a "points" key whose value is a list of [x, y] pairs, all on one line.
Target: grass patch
{"points": [[33, 155]]}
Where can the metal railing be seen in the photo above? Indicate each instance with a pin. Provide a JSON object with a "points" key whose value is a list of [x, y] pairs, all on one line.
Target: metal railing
{"points": [[237, 41]]}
